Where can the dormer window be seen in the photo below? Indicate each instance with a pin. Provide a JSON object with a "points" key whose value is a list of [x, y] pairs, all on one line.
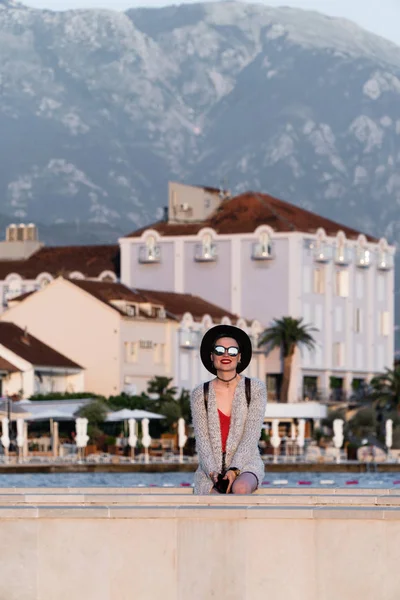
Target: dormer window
{"points": [[322, 251], [363, 258], [363, 254], [207, 250], [262, 250], [12, 288], [43, 281], [150, 252], [131, 310], [385, 259], [188, 338], [342, 251]]}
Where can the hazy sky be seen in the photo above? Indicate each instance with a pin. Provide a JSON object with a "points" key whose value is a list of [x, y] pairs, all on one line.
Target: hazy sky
{"points": [[380, 16]]}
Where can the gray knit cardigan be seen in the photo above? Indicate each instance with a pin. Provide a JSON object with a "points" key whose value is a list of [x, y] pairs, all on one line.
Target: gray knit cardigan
{"points": [[244, 433]]}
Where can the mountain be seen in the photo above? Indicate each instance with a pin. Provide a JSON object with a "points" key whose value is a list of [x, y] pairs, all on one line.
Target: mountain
{"points": [[99, 109]]}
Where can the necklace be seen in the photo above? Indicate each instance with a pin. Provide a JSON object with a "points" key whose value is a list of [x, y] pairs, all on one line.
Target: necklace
{"points": [[227, 381]]}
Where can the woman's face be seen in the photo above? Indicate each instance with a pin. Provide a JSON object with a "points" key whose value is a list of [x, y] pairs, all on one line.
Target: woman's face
{"points": [[226, 362]]}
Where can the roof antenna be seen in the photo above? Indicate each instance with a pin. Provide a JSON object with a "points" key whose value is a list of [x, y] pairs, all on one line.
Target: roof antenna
{"points": [[223, 189]]}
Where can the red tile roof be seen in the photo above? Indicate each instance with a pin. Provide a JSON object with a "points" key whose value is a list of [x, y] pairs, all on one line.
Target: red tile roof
{"points": [[7, 366], [178, 304], [244, 213], [107, 292], [175, 304], [91, 261], [32, 349]]}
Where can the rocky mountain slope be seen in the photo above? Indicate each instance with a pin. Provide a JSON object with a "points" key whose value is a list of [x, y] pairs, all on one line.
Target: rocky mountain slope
{"points": [[99, 109]]}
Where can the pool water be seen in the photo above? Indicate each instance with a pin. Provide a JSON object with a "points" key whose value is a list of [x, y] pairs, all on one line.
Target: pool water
{"points": [[271, 480]]}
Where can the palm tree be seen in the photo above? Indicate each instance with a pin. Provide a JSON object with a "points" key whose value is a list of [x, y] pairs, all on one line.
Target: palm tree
{"points": [[287, 334], [386, 388]]}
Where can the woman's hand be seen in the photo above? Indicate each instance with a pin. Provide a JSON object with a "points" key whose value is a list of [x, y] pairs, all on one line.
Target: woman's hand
{"points": [[214, 476], [231, 476]]}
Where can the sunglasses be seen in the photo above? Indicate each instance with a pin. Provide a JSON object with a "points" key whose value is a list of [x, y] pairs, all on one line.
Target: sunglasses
{"points": [[220, 350]]}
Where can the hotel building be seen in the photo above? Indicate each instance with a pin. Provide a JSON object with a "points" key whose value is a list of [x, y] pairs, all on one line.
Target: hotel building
{"points": [[264, 258]]}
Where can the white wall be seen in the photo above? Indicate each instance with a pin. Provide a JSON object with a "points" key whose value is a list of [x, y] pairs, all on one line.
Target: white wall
{"points": [[77, 325]]}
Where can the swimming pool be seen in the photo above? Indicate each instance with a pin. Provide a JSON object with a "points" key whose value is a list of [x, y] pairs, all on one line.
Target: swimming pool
{"points": [[271, 480]]}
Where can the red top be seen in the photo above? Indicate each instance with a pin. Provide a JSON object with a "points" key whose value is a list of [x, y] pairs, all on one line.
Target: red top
{"points": [[224, 422]]}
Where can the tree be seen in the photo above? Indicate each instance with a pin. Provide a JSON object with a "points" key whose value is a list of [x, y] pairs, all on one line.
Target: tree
{"points": [[287, 334], [166, 403], [386, 389], [159, 387], [177, 408], [141, 402]]}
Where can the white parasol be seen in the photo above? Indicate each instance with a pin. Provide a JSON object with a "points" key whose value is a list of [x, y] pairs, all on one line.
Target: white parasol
{"points": [[182, 437], [132, 439], [146, 439]]}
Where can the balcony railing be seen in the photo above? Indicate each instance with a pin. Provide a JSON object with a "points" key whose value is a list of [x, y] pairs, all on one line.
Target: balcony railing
{"points": [[205, 253], [149, 254], [322, 252], [363, 258], [385, 261], [262, 252], [343, 255]]}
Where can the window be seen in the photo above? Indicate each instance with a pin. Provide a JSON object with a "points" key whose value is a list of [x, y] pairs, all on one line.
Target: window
{"points": [[384, 323], [150, 252], [310, 388], [207, 250], [317, 356], [130, 387], [381, 285], [262, 250], [159, 354], [342, 283], [338, 319], [318, 318], [184, 363], [360, 285], [381, 358], [13, 288], [338, 354], [307, 276], [307, 313], [44, 282], [319, 281], [131, 352], [146, 345], [359, 356], [358, 320]]}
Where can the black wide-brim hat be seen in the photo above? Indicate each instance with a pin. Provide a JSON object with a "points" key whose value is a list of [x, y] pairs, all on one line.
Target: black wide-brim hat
{"points": [[219, 331]]}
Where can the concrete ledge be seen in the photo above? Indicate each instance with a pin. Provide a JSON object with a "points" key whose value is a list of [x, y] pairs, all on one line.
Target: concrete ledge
{"points": [[158, 500], [128, 545]]}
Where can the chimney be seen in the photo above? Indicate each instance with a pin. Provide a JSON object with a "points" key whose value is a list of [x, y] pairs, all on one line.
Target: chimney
{"points": [[165, 214], [21, 241], [25, 337]]}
